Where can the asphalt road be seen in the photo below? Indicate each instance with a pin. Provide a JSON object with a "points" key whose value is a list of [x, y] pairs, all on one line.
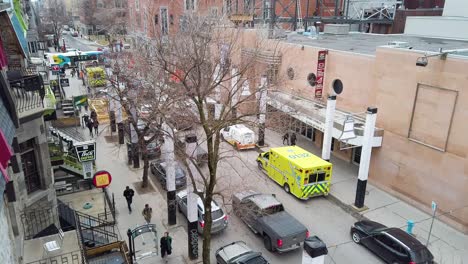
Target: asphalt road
{"points": [[73, 42], [238, 171]]}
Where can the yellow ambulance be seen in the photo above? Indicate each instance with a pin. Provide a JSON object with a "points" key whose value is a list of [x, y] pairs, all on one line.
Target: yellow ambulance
{"points": [[298, 171]]}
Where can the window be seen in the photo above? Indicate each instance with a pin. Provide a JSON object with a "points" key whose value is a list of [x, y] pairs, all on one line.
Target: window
{"points": [[156, 19], [357, 155], [247, 6], [214, 11], [189, 5], [228, 6], [266, 9], [164, 21], [309, 132], [31, 172]]}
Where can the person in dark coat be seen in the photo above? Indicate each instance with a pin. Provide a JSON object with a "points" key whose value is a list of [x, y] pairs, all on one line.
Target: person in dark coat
{"points": [[286, 138], [293, 139], [93, 115], [128, 194], [96, 126], [84, 120], [166, 246], [90, 127]]}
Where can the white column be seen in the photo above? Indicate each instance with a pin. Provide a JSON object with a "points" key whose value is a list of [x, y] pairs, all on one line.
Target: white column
{"points": [[366, 150], [328, 133], [234, 89]]}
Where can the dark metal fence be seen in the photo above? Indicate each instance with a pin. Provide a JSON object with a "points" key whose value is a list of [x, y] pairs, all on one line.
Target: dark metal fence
{"points": [[73, 257], [35, 221]]}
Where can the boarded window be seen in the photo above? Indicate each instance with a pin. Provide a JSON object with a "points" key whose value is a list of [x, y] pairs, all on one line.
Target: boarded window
{"points": [[432, 116]]}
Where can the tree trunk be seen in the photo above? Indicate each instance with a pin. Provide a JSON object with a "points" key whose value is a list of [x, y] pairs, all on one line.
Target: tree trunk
{"points": [[207, 229], [144, 184]]}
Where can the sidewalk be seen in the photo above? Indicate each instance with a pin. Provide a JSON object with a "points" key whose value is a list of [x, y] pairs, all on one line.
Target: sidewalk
{"points": [[446, 244]]}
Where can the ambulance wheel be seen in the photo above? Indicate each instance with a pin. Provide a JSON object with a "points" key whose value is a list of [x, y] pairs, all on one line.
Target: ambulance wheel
{"points": [[286, 188], [260, 166]]}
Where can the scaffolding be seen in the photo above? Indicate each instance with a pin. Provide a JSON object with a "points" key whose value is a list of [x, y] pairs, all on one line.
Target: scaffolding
{"points": [[288, 14]]}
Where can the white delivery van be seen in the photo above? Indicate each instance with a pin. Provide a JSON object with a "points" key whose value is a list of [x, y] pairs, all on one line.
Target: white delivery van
{"points": [[240, 136]]}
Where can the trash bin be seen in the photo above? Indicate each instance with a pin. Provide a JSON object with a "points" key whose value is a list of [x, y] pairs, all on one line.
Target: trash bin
{"points": [[314, 251]]}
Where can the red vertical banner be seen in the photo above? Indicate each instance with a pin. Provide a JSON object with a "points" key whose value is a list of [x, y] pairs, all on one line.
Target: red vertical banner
{"points": [[322, 54]]}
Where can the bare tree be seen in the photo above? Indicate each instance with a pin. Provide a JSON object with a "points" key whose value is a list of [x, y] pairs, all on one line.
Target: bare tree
{"points": [[205, 77], [53, 17], [107, 16]]}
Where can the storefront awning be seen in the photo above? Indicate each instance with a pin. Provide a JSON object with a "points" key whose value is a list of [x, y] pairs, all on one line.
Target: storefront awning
{"points": [[312, 113]]}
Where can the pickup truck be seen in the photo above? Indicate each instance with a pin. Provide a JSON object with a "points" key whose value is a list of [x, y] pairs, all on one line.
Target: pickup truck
{"points": [[266, 216]]}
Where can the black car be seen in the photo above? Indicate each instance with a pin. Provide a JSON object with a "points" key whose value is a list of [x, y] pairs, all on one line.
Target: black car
{"points": [[159, 168], [391, 244]]}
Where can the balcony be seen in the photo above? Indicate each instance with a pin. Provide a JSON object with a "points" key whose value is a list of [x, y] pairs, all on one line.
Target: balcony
{"points": [[28, 93]]}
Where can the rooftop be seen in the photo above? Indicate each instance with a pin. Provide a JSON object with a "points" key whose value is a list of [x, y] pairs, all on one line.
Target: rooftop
{"points": [[367, 44]]}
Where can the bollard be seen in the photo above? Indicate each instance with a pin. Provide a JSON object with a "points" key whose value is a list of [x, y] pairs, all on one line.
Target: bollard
{"points": [[314, 251], [409, 228]]}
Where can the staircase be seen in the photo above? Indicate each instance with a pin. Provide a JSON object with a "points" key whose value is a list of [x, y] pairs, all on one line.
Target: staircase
{"points": [[94, 231]]}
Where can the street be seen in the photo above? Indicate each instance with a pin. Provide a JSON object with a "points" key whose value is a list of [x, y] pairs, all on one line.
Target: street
{"points": [[238, 171]]}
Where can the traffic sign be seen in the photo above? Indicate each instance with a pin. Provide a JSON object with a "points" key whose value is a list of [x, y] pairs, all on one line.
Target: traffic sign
{"points": [[102, 179], [65, 82]]}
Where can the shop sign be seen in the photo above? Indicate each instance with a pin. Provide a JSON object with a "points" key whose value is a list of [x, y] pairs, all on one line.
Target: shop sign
{"points": [[86, 151], [322, 54]]}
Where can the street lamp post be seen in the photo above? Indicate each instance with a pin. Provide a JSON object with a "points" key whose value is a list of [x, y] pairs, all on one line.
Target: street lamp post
{"points": [[262, 94], [129, 235]]}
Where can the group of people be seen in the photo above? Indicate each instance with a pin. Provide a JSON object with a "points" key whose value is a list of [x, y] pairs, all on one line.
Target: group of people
{"points": [[91, 122], [289, 139], [165, 243]]}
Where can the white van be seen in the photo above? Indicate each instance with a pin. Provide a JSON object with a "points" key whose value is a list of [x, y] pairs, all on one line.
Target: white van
{"points": [[240, 136]]}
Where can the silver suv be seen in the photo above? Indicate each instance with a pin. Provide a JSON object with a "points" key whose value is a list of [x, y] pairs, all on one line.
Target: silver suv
{"points": [[237, 253], [220, 219]]}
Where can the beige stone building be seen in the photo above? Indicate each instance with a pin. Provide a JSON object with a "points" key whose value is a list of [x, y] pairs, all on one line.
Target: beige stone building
{"points": [[420, 145]]}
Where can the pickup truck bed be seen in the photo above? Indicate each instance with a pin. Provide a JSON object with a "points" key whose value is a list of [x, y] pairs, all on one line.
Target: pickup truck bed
{"points": [[284, 224]]}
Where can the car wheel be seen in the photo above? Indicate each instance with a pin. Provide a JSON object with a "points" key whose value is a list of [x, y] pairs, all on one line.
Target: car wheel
{"points": [[267, 242], [356, 237], [286, 188], [260, 165]]}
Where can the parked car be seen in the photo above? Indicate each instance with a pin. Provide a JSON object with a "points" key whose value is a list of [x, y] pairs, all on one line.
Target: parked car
{"points": [[75, 34], [220, 219], [240, 136], [266, 216], [159, 168], [238, 253], [393, 245], [153, 149]]}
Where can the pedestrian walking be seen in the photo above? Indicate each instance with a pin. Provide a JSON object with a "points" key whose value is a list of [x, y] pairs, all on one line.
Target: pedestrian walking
{"points": [[93, 115], [84, 120], [147, 213], [96, 126], [128, 194], [165, 244], [73, 72], [90, 127], [293, 139], [286, 138]]}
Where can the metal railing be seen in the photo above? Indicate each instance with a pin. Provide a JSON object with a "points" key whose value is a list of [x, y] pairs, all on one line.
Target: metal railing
{"points": [[35, 221], [28, 92], [110, 200], [73, 257]]}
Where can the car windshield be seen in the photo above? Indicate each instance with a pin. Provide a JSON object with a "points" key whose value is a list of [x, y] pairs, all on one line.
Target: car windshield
{"points": [[179, 172], [152, 145], [421, 255]]}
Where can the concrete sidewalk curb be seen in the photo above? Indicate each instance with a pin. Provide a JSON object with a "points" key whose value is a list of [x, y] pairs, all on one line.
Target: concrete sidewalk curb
{"points": [[346, 207]]}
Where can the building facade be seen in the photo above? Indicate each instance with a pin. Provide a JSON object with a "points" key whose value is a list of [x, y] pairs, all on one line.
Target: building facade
{"points": [[26, 170], [419, 153]]}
